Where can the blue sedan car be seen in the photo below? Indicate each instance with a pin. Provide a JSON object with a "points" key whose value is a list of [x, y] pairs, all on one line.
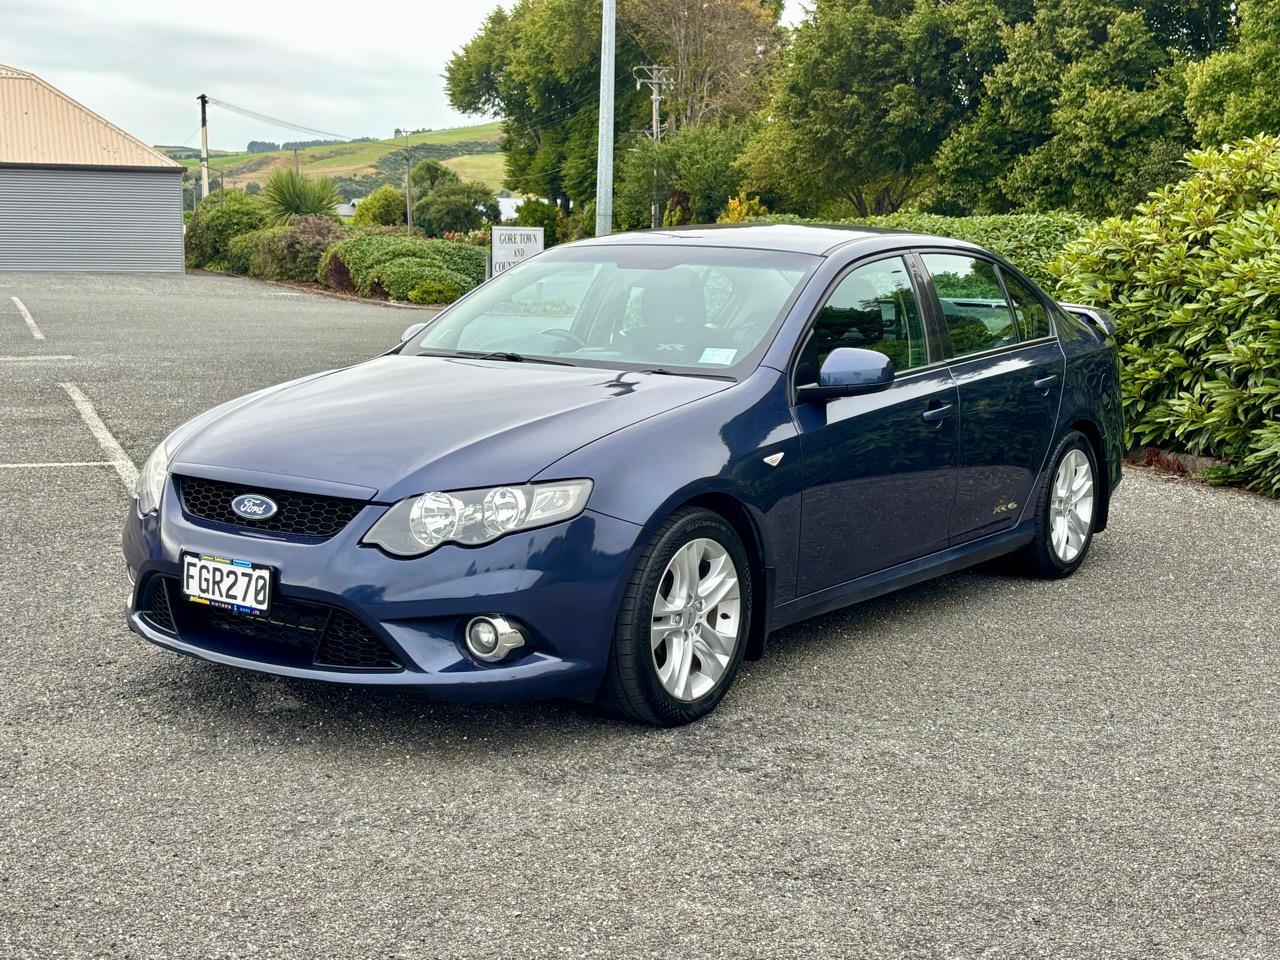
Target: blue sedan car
{"points": [[612, 471]]}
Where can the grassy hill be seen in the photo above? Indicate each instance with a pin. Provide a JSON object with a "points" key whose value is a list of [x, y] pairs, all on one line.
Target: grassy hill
{"points": [[472, 152]]}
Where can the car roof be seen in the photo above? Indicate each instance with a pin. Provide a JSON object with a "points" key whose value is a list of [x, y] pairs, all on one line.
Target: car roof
{"points": [[812, 239]]}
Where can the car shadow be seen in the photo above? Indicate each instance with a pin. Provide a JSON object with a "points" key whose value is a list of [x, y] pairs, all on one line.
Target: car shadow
{"points": [[221, 701]]}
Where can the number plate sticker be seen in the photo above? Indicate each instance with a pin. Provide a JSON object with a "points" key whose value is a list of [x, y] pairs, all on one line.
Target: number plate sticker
{"points": [[235, 585]]}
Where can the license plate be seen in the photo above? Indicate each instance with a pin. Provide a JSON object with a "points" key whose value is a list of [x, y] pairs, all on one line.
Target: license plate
{"points": [[236, 585]]}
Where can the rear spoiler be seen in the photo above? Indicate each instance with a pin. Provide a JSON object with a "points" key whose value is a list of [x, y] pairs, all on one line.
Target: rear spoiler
{"points": [[1094, 316]]}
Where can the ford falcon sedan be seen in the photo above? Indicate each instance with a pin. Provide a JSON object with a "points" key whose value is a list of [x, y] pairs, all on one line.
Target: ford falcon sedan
{"points": [[612, 471]]}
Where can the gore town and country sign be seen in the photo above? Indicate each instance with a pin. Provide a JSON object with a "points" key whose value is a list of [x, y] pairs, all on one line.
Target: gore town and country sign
{"points": [[512, 246]]}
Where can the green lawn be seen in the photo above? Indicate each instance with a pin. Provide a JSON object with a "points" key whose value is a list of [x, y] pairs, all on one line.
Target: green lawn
{"points": [[488, 168]]}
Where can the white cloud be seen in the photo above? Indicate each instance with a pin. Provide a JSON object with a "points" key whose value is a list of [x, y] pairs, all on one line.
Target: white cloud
{"points": [[358, 70]]}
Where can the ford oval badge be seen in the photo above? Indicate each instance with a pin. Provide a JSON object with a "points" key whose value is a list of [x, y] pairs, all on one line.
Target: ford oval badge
{"points": [[253, 506]]}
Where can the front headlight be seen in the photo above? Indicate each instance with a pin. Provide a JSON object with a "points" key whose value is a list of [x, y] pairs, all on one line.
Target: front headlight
{"points": [[472, 517], [150, 487]]}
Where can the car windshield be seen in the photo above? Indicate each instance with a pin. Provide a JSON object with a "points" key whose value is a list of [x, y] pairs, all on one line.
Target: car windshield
{"points": [[703, 310]]}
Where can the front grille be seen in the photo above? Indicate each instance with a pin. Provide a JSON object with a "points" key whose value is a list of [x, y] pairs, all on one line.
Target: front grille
{"points": [[156, 605], [299, 514], [294, 631]]}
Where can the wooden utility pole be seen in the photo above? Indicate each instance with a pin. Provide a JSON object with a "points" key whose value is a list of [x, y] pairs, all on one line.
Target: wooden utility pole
{"points": [[655, 78], [204, 145]]}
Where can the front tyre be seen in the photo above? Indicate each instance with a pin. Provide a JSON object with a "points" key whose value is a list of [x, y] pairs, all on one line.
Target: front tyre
{"points": [[683, 623], [1066, 511]]}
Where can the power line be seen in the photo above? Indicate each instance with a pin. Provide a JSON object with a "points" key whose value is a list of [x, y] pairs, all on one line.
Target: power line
{"points": [[253, 114]]}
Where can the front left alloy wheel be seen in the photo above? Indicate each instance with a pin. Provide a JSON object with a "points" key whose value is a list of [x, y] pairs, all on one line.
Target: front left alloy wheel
{"points": [[683, 624]]}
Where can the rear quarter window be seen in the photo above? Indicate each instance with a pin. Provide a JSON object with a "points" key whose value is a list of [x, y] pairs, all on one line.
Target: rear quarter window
{"points": [[1029, 310]]}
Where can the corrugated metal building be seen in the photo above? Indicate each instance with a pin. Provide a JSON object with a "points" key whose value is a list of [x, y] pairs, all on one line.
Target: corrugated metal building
{"points": [[77, 192]]}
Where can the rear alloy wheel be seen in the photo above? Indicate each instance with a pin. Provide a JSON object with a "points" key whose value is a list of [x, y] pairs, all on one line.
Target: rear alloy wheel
{"points": [[1071, 506], [683, 624], [1066, 511]]}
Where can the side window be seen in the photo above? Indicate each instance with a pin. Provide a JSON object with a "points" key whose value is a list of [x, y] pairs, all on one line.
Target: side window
{"points": [[1033, 316], [973, 302], [874, 308]]}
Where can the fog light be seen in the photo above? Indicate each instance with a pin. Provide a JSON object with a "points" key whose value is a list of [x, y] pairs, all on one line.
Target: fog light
{"points": [[492, 638]]}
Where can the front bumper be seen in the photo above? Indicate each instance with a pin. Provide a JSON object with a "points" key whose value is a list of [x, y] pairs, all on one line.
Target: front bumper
{"points": [[561, 583]]}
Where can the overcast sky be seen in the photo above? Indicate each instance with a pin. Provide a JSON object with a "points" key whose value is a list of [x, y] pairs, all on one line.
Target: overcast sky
{"points": [[376, 65]]}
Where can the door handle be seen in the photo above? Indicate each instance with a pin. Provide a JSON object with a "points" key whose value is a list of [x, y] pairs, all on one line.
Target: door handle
{"points": [[1044, 383], [936, 414]]}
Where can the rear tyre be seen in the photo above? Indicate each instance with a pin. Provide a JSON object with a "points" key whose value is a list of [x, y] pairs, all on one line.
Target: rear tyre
{"points": [[1066, 511], [683, 624]]}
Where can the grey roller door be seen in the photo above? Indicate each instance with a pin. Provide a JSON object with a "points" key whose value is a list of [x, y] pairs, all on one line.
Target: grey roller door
{"points": [[90, 219]]}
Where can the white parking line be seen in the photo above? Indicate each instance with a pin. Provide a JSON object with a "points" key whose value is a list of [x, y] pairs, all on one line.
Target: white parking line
{"points": [[37, 357], [68, 463], [115, 453], [26, 315]]}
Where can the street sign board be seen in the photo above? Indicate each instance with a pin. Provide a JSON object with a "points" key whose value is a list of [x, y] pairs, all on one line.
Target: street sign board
{"points": [[512, 246]]}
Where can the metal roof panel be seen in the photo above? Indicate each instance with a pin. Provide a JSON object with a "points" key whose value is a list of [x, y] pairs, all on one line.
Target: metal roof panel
{"points": [[40, 125]]}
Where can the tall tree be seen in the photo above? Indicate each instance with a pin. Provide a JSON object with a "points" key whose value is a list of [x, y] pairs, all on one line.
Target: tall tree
{"points": [[1084, 112], [691, 175], [866, 93], [719, 52], [537, 66], [1236, 93]]}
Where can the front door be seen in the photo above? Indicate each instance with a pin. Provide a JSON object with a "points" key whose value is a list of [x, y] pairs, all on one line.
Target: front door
{"points": [[1009, 368], [879, 468]]}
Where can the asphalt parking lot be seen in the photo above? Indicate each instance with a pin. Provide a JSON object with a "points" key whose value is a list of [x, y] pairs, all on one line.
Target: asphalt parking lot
{"points": [[980, 766]]}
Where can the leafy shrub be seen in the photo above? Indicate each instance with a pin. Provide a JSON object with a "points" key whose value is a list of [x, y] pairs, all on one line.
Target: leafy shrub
{"points": [[219, 217], [741, 208], [539, 213], [456, 207], [289, 194], [1030, 241], [293, 252], [399, 279], [289, 252], [1193, 281], [465, 259], [241, 249], [385, 207], [436, 290], [351, 265]]}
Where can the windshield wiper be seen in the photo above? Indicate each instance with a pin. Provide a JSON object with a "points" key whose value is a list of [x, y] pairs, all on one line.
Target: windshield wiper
{"points": [[514, 358], [664, 372]]}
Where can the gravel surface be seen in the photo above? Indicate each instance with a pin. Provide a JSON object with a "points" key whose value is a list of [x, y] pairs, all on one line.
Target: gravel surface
{"points": [[979, 766]]}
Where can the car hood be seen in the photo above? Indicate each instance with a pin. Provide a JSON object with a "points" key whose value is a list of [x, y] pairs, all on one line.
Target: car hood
{"points": [[398, 426]]}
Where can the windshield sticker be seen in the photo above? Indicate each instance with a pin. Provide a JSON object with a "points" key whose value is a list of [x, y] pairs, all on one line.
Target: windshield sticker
{"points": [[721, 355]]}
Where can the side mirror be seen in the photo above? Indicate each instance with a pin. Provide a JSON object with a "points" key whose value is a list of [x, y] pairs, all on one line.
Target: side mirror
{"points": [[412, 331], [847, 372]]}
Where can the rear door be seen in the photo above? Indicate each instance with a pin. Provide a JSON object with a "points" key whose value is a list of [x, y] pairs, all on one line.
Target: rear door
{"points": [[1008, 368]]}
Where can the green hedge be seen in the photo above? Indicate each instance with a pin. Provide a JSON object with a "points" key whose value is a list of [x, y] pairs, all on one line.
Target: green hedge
{"points": [[1193, 281], [218, 218], [352, 265], [1030, 241], [290, 252], [403, 278]]}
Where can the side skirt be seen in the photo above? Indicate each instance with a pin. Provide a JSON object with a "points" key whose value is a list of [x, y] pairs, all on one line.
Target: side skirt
{"points": [[903, 575]]}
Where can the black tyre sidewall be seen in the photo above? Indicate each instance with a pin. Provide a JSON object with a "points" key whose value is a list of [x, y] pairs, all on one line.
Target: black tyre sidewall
{"points": [[633, 638]]}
